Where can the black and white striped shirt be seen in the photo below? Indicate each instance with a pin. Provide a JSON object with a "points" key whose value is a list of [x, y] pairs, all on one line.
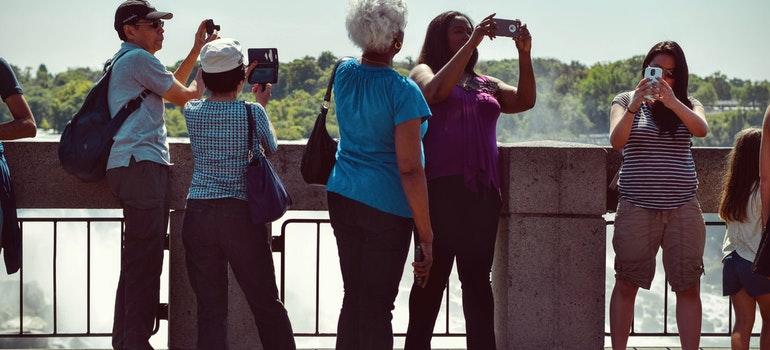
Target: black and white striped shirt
{"points": [[658, 170]]}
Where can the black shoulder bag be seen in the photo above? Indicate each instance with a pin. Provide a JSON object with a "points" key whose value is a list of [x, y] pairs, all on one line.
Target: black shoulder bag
{"points": [[320, 152]]}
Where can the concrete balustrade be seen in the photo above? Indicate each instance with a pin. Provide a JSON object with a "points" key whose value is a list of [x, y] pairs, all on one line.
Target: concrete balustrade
{"points": [[549, 269]]}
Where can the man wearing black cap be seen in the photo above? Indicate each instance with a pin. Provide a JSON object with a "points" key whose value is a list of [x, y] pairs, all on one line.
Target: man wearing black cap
{"points": [[137, 169]]}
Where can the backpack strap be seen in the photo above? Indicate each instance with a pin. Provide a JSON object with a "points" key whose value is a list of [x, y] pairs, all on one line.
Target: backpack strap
{"points": [[133, 104]]}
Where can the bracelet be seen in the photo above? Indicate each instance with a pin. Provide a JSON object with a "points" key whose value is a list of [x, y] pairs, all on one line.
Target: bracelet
{"points": [[630, 111]]}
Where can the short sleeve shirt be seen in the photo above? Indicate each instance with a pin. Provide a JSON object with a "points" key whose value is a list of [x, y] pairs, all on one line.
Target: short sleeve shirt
{"points": [[658, 170], [219, 140], [370, 103], [9, 86], [143, 135]]}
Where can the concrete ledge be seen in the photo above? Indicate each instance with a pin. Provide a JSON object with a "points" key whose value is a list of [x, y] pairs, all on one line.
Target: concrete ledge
{"points": [[40, 181], [556, 178]]}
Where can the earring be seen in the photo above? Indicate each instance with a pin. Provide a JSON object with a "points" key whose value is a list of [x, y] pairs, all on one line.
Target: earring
{"points": [[397, 45]]}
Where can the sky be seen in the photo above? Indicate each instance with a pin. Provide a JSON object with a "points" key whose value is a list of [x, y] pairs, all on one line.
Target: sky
{"points": [[726, 36]]}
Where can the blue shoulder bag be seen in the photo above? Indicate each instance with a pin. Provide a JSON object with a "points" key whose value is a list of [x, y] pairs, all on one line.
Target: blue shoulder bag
{"points": [[268, 198]]}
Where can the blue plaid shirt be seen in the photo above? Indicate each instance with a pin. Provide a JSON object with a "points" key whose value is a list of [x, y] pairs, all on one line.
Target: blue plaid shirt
{"points": [[219, 137]]}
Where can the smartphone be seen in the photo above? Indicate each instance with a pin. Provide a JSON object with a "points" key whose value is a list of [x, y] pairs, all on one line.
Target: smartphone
{"points": [[210, 26], [652, 73], [266, 70], [418, 257], [507, 27]]}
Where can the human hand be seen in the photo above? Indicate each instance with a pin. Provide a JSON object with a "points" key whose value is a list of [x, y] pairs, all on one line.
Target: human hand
{"points": [[486, 27], [523, 40], [664, 93], [202, 38], [422, 268], [643, 88], [262, 92]]}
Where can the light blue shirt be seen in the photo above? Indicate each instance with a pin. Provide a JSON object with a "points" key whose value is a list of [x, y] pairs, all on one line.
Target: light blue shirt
{"points": [[370, 102], [143, 135], [219, 139]]}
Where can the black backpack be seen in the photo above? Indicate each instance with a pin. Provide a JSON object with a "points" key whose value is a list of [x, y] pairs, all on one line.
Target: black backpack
{"points": [[87, 139]]}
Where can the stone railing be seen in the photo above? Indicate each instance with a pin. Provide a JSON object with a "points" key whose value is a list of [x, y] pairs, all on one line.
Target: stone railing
{"points": [[549, 270]]}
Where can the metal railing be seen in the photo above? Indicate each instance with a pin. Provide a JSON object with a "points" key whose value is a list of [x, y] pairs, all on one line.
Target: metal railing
{"points": [[279, 244], [55, 333], [665, 332]]}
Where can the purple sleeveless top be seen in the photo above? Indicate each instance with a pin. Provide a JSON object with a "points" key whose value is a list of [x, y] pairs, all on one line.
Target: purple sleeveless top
{"points": [[462, 138]]}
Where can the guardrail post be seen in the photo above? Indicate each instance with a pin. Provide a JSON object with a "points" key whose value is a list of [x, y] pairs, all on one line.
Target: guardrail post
{"points": [[549, 271]]}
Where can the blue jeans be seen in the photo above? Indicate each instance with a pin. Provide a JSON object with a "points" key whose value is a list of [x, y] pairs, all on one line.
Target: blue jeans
{"points": [[373, 246], [217, 232]]}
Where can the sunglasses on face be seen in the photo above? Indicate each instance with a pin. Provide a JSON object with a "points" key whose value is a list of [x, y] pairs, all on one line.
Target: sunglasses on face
{"points": [[154, 24]]}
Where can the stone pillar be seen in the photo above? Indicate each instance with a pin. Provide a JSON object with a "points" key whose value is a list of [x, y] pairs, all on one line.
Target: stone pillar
{"points": [[548, 275]]}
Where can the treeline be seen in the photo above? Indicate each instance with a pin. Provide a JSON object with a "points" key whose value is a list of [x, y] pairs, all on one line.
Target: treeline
{"points": [[573, 99]]}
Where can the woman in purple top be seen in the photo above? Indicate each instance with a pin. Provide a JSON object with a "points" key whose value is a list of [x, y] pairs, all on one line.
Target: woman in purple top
{"points": [[461, 167]]}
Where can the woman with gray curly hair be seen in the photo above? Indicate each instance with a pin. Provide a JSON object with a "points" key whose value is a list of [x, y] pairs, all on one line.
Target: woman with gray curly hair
{"points": [[377, 193]]}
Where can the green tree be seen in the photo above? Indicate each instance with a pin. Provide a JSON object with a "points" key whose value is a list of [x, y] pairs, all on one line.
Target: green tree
{"points": [[326, 59], [67, 100], [721, 85], [300, 74], [42, 77], [602, 82], [706, 94], [175, 122]]}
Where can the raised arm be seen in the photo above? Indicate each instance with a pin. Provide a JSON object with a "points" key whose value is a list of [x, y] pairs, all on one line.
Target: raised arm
{"points": [[184, 70], [436, 86], [513, 99], [179, 93], [764, 167], [622, 118]]}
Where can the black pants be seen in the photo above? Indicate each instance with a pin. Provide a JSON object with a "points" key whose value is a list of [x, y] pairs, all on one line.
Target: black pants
{"points": [[373, 246], [10, 231], [141, 188], [464, 227], [217, 232]]}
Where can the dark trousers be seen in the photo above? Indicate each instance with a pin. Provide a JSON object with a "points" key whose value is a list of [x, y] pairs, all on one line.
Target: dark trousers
{"points": [[372, 246], [141, 188], [217, 232], [464, 227]]}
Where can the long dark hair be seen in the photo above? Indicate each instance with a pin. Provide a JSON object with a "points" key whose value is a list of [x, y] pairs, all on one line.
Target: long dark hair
{"points": [[666, 119], [435, 49], [741, 177]]}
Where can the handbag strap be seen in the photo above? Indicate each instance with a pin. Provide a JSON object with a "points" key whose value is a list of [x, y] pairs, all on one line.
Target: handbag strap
{"points": [[328, 95], [250, 119]]}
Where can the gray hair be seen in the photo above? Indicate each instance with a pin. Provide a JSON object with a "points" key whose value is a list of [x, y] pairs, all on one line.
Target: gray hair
{"points": [[373, 24]]}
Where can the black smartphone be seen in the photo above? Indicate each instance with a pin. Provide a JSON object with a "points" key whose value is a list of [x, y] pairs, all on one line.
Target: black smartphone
{"points": [[418, 257], [507, 27], [210, 26], [266, 70]]}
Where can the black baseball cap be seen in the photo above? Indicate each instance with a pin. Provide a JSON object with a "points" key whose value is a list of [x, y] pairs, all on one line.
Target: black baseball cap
{"points": [[132, 10]]}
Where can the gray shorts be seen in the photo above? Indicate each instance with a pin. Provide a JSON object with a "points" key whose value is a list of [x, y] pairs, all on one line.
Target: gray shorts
{"points": [[639, 232]]}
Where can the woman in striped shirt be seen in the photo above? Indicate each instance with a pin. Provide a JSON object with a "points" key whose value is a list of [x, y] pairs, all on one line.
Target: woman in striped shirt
{"points": [[653, 125]]}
